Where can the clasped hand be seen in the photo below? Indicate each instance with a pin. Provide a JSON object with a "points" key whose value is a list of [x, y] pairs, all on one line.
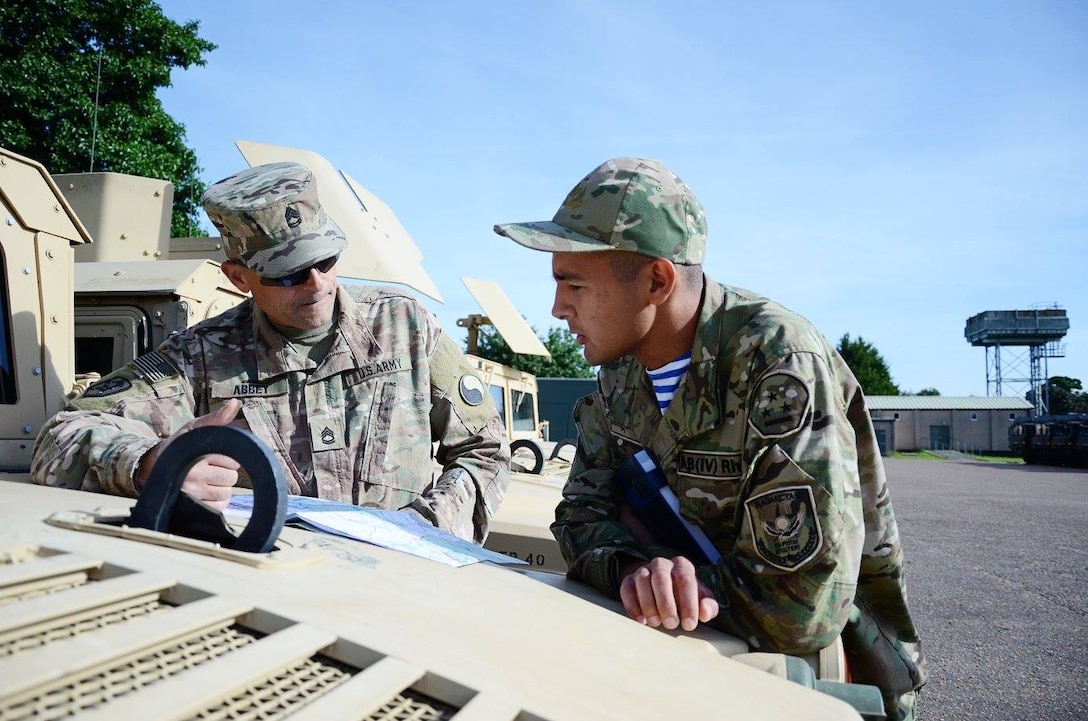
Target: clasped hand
{"points": [[211, 479], [666, 592]]}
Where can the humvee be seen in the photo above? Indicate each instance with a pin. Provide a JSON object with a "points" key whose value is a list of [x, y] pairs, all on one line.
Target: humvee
{"points": [[106, 618], [514, 391]]}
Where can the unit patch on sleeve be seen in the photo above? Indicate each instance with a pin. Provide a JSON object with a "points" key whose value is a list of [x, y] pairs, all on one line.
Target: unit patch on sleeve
{"points": [[471, 389], [107, 387], [780, 405], [784, 526]]}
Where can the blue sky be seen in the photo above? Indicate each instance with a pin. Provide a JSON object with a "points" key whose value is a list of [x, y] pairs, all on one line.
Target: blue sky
{"points": [[887, 169]]}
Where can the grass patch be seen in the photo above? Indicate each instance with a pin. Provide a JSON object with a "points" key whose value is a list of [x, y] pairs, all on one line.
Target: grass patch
{"points": [[917, 455], [1010, 460], [930, 456]]}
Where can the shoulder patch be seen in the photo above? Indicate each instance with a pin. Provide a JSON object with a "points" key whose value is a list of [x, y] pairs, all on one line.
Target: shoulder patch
{"points": [[154, 366], [471, 389], [108, 387], [785, 530], [780, 405]]}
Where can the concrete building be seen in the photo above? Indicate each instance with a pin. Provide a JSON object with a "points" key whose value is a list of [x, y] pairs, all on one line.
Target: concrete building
{"points": [[974, 424]]}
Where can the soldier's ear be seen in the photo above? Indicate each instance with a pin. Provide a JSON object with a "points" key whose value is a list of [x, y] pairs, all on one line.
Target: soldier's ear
{"points": [[662, 280], [236, 274]]}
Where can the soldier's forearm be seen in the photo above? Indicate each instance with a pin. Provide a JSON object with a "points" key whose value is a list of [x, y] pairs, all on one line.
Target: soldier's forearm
{"points": [[797, 616], [451, 505]]}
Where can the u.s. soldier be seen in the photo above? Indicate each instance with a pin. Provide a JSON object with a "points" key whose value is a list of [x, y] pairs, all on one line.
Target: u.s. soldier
{"points": [[349, 387], [759, 426]]}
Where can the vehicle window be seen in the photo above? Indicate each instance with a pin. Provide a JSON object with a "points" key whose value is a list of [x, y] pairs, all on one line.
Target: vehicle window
{"points": [[500, 403], [7, 359], [523, 411], [94, 355]]}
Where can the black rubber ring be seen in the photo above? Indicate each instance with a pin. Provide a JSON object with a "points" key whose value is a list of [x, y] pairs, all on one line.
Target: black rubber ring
{"points": [[159, 496]]}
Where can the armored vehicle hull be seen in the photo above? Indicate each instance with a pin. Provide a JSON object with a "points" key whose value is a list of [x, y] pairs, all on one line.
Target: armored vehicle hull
{"points": [[119, 626]]}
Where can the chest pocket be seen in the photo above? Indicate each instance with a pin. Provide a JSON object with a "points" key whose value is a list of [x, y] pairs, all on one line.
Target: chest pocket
{"points": [[396, 452], [263, 415], [708, 488]]}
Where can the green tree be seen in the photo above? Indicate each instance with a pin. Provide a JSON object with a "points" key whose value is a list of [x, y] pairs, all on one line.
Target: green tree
{"points": [[77, 91], [868, 366], [928, 392], [567, 360], [1064, 394]]}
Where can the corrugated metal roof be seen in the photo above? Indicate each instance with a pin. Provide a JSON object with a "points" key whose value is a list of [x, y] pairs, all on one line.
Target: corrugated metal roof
{"points": [[946, 403]]}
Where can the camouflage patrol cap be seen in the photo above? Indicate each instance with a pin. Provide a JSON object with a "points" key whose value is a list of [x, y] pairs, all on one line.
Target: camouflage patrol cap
{"points": [[271, 220], [624, 204]]}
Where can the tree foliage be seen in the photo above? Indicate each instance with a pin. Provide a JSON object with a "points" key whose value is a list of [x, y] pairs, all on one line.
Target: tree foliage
{"points": [[928, 392], [1065, 395], [58, 56], [567, 360], [868, 366]]}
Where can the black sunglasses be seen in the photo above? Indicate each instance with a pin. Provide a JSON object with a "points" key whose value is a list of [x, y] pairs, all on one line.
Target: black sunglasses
{"points": [[301, 276]]}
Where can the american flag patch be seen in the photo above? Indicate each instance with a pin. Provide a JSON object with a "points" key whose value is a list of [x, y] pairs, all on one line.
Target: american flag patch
{"points": [[154, 366]]}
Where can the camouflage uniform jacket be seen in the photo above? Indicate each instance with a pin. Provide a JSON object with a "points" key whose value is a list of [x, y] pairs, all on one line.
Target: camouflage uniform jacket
{"points": [[769, 448], [356, 428]]}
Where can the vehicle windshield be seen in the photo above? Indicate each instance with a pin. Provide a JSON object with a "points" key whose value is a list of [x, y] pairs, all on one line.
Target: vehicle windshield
{"points": [[523, 410], [500, 402]]}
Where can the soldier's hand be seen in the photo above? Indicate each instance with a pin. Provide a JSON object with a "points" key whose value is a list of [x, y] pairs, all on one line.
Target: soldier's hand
{"points": [[666, 592], [211, 478]]}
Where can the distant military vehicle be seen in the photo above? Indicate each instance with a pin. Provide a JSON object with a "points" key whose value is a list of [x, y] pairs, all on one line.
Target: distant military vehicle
{"points": [[515, 392], [1051, 440], [110, 619]]}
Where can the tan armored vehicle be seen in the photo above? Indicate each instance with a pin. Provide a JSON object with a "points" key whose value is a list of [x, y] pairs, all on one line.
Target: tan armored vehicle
{"points": [[539, 465], [107, 615]]}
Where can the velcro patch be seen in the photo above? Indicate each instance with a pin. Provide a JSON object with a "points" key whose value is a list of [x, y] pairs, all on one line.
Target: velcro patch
{"points": [[154, 366], [780, 405], [108, 387], [471, 389], [327, 434], [785, 529], [710, 465], [382, 366], [235, 387]]}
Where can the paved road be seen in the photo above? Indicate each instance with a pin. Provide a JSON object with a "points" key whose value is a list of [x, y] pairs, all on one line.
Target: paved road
{"points": [[997, 570]]}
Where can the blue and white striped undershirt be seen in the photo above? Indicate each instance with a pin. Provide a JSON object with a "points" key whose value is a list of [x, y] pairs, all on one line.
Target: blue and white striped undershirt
{"points": [[668, 378]]}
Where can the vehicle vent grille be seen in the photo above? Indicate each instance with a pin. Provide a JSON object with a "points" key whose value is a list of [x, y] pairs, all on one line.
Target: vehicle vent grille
{"points": [[412, 706], [282, 694], [80, 693], [68, 627], [56, 578], [124, 644], [52, 585]]}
